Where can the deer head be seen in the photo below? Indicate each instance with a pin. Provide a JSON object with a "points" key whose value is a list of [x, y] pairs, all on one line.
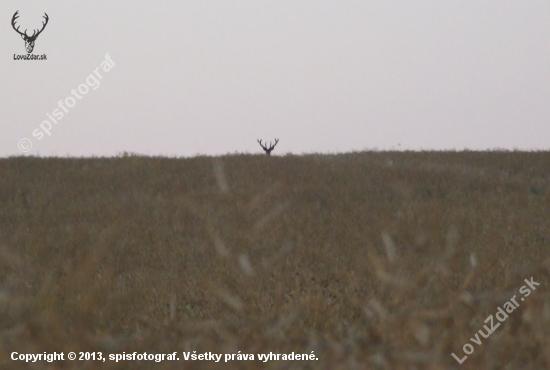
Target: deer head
{"points": [[271, 147], [29, 40]]}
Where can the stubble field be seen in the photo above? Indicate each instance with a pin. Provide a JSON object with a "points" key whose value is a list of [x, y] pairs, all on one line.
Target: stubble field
{"points": [[370, 260]]}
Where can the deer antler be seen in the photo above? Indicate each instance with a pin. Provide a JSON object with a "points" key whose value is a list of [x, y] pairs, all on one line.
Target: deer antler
{"points": [[271, 146], [45, 16], [35, 32], [15, 16]]}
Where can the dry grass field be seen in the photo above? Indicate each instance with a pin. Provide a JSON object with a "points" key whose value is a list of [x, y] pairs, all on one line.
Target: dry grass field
{"points": [[372, 260]]}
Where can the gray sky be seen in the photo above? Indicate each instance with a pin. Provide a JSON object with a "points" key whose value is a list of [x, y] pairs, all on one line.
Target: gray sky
{"points": [[211, 77]]}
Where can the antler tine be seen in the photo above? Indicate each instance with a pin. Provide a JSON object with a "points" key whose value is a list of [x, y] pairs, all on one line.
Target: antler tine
{"points": [[263, 145], [14, 18], [271, 146], [45, 16]]}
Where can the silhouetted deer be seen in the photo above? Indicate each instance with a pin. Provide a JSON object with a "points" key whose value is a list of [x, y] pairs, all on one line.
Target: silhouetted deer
{"points": [[29, 40], [271, 147]]}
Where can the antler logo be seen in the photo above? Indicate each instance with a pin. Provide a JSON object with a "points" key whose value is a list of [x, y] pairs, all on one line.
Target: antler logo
{"points": [[29, 40]]}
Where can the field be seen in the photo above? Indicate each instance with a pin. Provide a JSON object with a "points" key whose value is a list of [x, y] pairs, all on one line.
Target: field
{"points": [[368, 260]]}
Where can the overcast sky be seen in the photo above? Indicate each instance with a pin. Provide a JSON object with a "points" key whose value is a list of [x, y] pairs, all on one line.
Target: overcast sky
{"points": [[211, 77]]}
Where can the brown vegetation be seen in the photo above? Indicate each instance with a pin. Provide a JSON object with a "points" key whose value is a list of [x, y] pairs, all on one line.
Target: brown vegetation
{"points": [[374, 260]]}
